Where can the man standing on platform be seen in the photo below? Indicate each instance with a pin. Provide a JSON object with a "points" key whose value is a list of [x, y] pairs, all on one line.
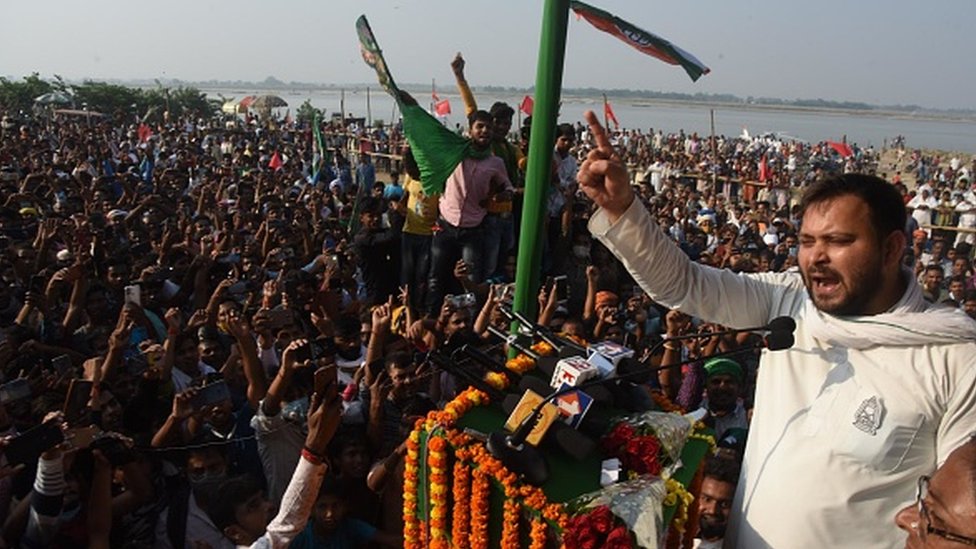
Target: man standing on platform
{"points": [[463, 207], [878, 389], [500, 225]]}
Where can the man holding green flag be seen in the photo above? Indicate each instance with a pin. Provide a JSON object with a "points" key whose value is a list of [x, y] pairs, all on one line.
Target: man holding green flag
{"points": [[462, 170]]}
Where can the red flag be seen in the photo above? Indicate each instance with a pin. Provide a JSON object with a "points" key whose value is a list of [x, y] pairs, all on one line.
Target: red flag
{"points": [[527, 105], [275, 163], [842, 149], [608, 112], [145, 132], [763, 170], [442, 108]]}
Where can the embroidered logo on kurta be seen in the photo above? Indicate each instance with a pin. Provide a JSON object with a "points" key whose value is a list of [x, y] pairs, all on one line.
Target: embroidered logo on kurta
{"points": [[868, 416]]}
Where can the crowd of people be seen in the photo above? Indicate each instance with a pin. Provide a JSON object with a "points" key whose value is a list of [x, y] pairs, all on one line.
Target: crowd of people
{"points": [[215, 333]]}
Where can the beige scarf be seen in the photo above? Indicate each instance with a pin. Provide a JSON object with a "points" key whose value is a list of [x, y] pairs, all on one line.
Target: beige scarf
{"points": [[911, 322]]}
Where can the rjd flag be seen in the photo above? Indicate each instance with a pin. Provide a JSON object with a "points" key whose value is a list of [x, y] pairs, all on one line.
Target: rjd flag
{"points": [[640, 39], [436, 149]]}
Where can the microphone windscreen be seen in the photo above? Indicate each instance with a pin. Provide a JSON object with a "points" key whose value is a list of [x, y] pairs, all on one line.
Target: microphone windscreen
{"points": [[633, 370], [600, 394], [547, 365], [534, 384], [573, 442], [510, 402], [782, 324], [777, 341]]}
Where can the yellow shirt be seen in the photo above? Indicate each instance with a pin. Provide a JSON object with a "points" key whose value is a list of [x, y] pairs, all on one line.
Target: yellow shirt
{"points": [[421, 209]]}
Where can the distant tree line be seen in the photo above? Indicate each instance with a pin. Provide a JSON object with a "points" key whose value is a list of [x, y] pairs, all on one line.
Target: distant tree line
{"points": [[111, 99]]}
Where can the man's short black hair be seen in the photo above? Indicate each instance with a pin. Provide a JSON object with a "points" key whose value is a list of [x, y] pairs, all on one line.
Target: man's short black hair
{"points": [[348, 326], [398, 360], [501, 110], [722, 469], [885, 204], [228, 495], [481, 115], [370, 205], [566, 130]]}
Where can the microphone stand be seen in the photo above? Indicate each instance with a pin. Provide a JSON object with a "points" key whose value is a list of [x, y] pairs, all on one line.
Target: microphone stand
{"points": [[783, 325], [544, 333], [512, 341], [448, 364]]}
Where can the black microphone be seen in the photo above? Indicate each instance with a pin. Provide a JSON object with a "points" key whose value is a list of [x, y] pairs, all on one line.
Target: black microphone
{"points": [[781, 324], [777, 341], [483, 358], [561, 345], [447, 364], [514, 342]]}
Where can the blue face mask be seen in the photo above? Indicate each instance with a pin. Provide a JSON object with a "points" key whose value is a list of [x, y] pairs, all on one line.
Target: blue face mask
{"points": [[296, 411]]}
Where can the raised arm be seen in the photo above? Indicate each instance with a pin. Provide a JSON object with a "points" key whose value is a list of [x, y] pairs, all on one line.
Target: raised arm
{"points": [[660, 267], [324, 416], [457, 66], [257, 382]]}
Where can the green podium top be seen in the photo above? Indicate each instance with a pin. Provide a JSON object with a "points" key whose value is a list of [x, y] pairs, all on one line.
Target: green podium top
{"points": [[570, 478]]}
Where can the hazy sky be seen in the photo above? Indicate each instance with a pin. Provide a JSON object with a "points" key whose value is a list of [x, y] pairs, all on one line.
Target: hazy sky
{"points": [[875, 51]]}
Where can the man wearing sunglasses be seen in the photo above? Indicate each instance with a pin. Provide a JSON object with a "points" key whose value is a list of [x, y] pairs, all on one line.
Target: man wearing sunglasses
{"points": [[944, 512]]}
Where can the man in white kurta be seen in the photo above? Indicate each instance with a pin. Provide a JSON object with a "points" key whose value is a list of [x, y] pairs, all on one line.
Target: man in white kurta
{"points": [[847, 419]]}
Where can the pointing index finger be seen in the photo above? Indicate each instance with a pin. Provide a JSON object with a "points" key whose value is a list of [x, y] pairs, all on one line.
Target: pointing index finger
{"points": [[599, 134]]}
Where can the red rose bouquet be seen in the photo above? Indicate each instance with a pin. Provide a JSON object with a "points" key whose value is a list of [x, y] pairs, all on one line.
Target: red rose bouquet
{"points": [[597, 528], [648, 443], [624, 515]]}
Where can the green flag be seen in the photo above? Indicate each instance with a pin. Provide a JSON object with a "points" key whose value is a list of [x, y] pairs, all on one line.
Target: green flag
{"points": [[436, 149]]}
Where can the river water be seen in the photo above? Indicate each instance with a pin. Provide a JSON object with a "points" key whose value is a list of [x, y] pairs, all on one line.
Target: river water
{"points": [[812, 126]]}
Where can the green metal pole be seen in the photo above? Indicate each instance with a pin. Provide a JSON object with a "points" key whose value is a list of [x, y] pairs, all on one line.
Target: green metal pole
{"points": [[548, 84]]}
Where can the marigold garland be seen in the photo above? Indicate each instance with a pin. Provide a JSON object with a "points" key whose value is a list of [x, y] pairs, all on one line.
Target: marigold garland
{"points": [[497, 380], [510, 524], [543, 348], [437, 462], [411, 527], [537, 534], [480, 489], [473, 472], [699, 434], [461, 493], [520, 364], [676, 494]]}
